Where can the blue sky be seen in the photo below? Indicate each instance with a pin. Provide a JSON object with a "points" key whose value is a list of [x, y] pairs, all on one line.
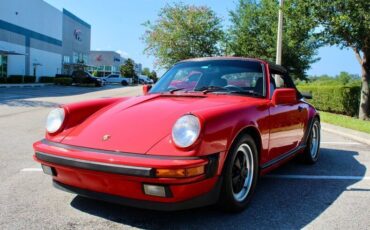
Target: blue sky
{"points": [[117, 25]]}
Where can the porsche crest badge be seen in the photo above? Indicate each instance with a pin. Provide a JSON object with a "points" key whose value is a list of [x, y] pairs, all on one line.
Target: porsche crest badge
{"points": [[106, 137]]}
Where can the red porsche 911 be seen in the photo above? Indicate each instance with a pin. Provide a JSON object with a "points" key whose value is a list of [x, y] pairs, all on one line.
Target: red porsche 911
{"points": [[203, 134]]}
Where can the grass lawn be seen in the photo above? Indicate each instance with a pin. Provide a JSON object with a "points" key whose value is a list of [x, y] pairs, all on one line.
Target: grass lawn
{"points": [[345, 121]]}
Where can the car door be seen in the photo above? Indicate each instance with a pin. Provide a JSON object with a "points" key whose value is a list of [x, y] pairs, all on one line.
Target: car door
{"points": [[114, 78], [287, 122], [109, 79]]}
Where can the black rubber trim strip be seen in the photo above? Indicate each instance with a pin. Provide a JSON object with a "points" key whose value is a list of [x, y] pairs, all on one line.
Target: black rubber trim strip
{"points": [[72, 147], [282, 157], [308, 130], [203, 200], [96, 166]]}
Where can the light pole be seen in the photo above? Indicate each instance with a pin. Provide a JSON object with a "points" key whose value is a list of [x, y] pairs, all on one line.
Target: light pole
{"points": [[279, 44]]}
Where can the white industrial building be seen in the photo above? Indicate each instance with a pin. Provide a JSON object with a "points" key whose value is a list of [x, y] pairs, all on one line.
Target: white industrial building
{"points": [[108, 62], [38, 39]]}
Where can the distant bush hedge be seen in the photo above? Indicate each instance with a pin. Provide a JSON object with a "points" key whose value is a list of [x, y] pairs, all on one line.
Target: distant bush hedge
{"points": [[334, 98], [46, 79], [17, 79], [14, 79], [29, 79], [63, 81], [62, 76]]}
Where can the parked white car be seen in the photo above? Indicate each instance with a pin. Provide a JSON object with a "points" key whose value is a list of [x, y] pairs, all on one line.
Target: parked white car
{"points": [[116, 79], [143, 79]]}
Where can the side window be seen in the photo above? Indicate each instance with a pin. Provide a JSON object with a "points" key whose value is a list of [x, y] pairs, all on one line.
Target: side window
{"points": [[278, 81]]}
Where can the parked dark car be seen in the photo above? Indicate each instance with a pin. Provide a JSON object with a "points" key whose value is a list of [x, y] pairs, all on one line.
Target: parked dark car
{"points": [[83, 77]]}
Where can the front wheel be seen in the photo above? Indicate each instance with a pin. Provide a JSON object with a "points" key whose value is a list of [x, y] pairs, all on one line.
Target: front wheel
{"points": [[240, 175], [124, 83], [312, 150]]}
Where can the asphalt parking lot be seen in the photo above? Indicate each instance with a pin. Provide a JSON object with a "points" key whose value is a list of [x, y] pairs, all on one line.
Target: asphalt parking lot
{"points": [[332, 194]]}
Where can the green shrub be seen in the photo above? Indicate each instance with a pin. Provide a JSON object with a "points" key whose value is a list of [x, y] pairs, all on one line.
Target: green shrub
{"points": [[63, 81], [12, 79], [29, 79], [62, 76], [2, 80], [334, 98], [46, 79]]}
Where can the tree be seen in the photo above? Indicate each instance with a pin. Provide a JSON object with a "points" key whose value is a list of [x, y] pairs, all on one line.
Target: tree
{"points": [[182, 32], [344, 78], [153, 76], [347, 24], [253, 33], [145, 71], [128, 69]]}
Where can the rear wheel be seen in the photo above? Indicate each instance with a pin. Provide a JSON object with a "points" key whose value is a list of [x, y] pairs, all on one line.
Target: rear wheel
{"points": [[312, 150], [240, 175], [124, 83]]}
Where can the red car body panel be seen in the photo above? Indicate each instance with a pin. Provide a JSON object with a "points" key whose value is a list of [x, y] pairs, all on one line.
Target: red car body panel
{"points": [[147, 141]]}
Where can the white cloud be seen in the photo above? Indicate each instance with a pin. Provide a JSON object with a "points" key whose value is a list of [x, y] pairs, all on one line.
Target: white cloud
{"points": [[123, 53]]}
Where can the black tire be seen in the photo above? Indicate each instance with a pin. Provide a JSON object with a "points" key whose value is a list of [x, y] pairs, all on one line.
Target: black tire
{"points": [[124, 83], [229, 200], [312, 151]]}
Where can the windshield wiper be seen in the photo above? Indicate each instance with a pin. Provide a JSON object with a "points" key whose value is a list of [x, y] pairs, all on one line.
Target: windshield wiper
{"points": [[249, 92], [207, 89], [174, 90]]}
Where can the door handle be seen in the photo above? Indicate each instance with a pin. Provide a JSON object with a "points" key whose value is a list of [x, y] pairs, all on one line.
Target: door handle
{"points": [[300, 108]]}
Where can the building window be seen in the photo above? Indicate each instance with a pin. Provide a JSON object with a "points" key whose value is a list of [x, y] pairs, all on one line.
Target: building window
{"points": [[3, 66], [66, 59], [108, 68], [85, 57], [75, 57]]}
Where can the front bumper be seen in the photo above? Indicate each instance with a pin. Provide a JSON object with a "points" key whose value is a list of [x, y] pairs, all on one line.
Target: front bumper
{"points": [[119, 177], [199, 201]]}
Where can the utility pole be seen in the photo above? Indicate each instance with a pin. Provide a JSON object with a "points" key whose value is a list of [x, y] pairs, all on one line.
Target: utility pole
{"points": [[279, 44]]}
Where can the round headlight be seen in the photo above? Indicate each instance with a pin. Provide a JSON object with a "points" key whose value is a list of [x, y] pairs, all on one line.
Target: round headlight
{"points": [[55, 120], [186, 131]]}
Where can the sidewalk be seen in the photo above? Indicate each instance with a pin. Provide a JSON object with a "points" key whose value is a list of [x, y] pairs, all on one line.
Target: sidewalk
{"points": [[352, 134], [24, 85]]}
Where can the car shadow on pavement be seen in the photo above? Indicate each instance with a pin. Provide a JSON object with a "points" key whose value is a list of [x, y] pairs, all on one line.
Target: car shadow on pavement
{"points": [[30, 103], [277, 203], [22, 97]]}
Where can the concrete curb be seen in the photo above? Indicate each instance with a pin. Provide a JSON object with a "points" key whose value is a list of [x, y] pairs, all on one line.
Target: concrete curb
{"points": [[24, 85], [345, 132]]}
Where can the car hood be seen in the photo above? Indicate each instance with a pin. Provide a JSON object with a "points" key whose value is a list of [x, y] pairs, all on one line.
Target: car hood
{"points": [[137, 124]]}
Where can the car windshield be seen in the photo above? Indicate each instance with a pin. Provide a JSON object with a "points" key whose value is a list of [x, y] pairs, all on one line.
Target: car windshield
{"points": [[216, 76]]}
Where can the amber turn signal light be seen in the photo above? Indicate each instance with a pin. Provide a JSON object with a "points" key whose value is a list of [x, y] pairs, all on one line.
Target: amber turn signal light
{"points": [[187, 172]]}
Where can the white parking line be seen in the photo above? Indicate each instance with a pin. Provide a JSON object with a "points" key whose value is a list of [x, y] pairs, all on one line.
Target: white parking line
{"points": [[31, 170], [318, 177], [340, 143]]}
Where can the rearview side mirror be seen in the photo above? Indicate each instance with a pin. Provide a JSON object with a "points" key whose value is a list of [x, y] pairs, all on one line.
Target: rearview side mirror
{"points": [[146, 89], [284, 96]]}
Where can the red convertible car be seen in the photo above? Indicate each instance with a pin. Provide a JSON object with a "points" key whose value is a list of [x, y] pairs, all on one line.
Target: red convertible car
{"points": [[177, 148]]}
